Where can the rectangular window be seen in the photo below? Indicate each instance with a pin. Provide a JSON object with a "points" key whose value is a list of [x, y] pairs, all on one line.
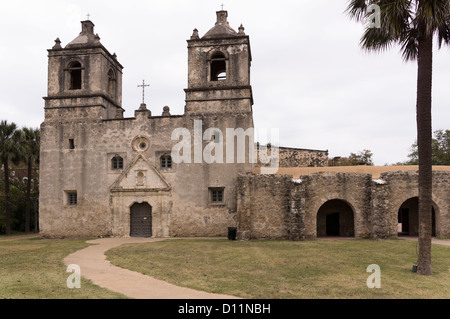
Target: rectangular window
{"points": [[166, 161], [71, 144], [75, 80], [72, 198], [216, 195], [117, 163]]}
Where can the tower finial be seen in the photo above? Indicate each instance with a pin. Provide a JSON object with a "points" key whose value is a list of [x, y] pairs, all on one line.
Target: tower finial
{"points": [[241, 30], [195, 34], [57, 44], [222, 17]]}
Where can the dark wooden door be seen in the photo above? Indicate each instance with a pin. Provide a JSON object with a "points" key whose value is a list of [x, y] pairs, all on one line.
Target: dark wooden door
{"points": [[141, 220]]}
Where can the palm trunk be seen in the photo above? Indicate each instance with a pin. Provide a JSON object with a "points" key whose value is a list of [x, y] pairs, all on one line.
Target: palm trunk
{"points": [[36, 218], [28, 200], [424, 138], [7, 203]]}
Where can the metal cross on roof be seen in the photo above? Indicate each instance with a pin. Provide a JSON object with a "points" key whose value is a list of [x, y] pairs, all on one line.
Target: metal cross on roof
{"points": [[88, 16], [143, 89], [222, 6]]}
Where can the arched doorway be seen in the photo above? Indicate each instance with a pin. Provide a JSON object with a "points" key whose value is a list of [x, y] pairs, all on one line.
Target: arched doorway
{"points": [[408, 218], [141, 220], [335, 218]]}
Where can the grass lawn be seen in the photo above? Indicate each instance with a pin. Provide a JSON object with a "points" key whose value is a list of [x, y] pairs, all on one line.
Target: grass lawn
{"points": [[33, 268], [285, 269]]}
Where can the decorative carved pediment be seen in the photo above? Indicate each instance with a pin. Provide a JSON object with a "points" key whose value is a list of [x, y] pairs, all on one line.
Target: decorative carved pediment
{"points": [[140, 175]]}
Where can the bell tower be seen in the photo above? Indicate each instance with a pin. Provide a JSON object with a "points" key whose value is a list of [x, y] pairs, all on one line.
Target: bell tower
{"points": [[219, 70], [84, 79]]}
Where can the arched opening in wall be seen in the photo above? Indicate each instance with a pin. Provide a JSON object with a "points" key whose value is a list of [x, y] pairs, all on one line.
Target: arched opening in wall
{"points": [[75, 75], [141, 220], [335, 218], [218, 67], [408, 218]]}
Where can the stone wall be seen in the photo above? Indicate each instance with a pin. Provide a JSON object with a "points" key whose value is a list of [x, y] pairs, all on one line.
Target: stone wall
{"points": [[263, 206], [179, 196], [279, 207], [398, 187], [292, 157]]}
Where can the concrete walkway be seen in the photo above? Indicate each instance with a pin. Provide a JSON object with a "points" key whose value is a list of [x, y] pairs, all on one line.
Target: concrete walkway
{"points": [[94, 266]]}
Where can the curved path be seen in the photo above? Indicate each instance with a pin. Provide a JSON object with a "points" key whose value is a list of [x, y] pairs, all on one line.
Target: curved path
{"points": [[94, 266]]}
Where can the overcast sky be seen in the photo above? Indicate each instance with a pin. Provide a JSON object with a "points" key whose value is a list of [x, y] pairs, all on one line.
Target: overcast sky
{"points": [[310, 77]]}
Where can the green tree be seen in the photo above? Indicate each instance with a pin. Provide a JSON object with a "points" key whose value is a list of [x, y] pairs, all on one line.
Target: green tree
{"points": [[361, 158], [440, 147], [9, 138], [412, 24], [30, 155]]}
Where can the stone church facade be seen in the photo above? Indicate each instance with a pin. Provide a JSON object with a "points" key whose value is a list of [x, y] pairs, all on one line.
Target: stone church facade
{"points": [[106, 175], [164, 175]]}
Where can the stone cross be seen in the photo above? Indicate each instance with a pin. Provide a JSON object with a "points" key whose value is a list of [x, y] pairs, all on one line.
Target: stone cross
{"points": [[143, 89]]}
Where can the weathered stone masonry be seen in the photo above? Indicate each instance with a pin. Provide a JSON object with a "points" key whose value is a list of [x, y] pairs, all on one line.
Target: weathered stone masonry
{"points": [[280, 207], [99, 169], [105, 175], [292, 157]]}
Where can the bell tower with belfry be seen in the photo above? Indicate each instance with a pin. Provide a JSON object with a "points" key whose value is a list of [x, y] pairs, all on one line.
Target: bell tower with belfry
{"points": [[84, 79], [161, 175], [219, 70]]}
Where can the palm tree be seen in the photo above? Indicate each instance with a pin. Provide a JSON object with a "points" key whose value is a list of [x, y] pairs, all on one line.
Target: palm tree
{"points": [[30, 154], [412, 24], [8, 136]]}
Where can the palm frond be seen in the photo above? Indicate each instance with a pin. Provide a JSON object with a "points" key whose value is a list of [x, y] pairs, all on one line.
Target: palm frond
{"points": [[357, 9], [376, 39], [434, 15], [410, 45], [396, 16], [443, 33]]}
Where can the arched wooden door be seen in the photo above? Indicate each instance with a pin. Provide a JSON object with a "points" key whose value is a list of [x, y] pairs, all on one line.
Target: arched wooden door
{"points": [[141, 220]]}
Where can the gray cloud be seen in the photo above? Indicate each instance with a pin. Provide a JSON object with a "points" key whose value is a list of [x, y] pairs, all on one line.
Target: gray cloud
{"points": [[309, 75]]}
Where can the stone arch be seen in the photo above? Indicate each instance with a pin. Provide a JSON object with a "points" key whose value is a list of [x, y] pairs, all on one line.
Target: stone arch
{"points": [[408, 217], [336, 217], [218, 66]]}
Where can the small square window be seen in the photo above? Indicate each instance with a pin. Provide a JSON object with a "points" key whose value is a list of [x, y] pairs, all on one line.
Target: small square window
{"points": [[216, 195], [72, 198], [166, 161], [117, 163]]}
